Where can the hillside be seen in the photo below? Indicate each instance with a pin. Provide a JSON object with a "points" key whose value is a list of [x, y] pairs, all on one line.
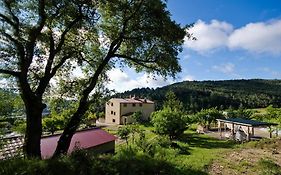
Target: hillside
{"points": [[195, 95]]}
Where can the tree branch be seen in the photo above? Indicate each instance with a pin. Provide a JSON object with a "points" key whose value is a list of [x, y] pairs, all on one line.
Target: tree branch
{"points": [[15, 24], [44, 81], [6, 19], [138, 61], [84, 59], [41, 22], [134, 59], [9, 72], [19, 46], [51, 54], [61, 62], [33, 35], [64, 33]]}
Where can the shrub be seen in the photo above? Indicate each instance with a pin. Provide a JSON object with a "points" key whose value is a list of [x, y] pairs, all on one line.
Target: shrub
{"points": [[168, 122], [164, 141], [123, 132]]}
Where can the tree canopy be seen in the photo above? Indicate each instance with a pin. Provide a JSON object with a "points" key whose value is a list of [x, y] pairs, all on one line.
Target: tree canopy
{"points": [[171, 120], [207, 116], [43, 40], [197, 95]]}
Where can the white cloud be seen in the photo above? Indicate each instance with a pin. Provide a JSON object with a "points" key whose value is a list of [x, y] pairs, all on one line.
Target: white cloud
{"points": [[270, 71], [209, 36], [117, 75], [188, 78], [258, 38], [227, 68], [121, 81], [261, 37]]}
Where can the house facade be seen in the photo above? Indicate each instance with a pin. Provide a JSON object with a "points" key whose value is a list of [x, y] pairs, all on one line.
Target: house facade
{"points": [[119, 110]]}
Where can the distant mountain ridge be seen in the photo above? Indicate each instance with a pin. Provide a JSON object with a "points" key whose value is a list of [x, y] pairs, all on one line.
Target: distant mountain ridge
{"points": [[195, 95]]}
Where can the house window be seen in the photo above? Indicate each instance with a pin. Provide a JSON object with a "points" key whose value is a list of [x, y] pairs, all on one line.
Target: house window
{"points": [[134, 104], [111, 104], [114, 113], [140, 104], [125, 105], [111, 112], [113, 120]]}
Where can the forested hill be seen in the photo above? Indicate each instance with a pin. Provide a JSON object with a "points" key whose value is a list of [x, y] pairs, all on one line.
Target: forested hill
{"points": [[196, 95]]}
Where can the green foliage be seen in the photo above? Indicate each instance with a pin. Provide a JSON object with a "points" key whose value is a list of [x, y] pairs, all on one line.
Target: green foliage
{"points": [[57, 121], [137, 117], [58, 105], [100, 115], [19, 126], [126, 161], [86, 34], [10, 104], [207, 116], [164, 141], [172, 102], [147, 156], [240, 113], [146, 39], [4, 127], [168, 122], [271, 115], [90, 119], [197, 95], [269, 167], [123, 132], [53, 123]]}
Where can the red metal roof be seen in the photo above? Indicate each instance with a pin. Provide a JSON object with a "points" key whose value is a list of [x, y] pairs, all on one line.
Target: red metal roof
{"points": [[82, 139]]}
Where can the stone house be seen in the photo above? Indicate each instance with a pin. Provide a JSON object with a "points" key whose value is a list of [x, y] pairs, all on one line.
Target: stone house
{"points": [[119, 110]]}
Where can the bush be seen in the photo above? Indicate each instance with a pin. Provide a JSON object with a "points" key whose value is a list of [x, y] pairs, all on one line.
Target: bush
{"points": [[124, 132], [207, 116], [164, 141], [129, 161], [168, 122]]}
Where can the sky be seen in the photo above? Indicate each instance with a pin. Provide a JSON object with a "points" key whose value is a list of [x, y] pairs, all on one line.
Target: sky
{"points": [[236, 39]]}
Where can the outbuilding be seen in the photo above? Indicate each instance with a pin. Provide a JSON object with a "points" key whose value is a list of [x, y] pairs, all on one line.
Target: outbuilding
{"points": [[242, 128], [94, 139]]}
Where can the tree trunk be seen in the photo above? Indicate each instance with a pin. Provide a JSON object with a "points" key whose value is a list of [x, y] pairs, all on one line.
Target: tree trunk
{"points": [[65, 139], [73, 124], [33, 128]]}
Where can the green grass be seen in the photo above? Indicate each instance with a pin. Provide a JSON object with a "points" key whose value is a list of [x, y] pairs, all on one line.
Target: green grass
{"points": [[259, 110], [269, 167], [191, 154], [194, 151], [203, 150]]}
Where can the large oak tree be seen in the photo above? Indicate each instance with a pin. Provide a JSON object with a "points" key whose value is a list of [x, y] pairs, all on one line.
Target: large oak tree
{"points": [[42, 40]]}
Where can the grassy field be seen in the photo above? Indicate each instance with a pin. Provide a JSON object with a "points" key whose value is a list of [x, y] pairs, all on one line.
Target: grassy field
{"points": [[193, 152], [202, 154]]}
